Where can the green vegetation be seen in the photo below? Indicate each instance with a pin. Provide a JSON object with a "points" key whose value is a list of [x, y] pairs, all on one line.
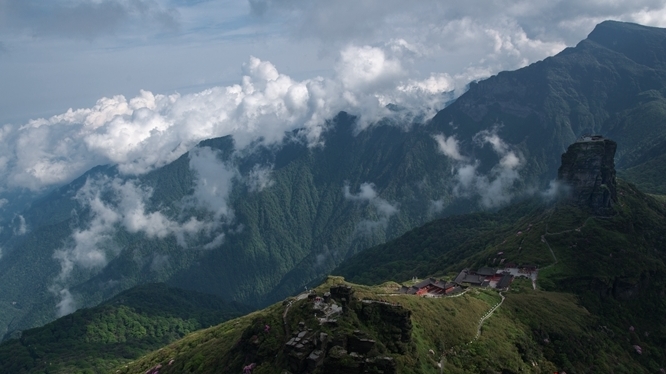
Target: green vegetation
{"points": [[301, 226], [648, 176], [550, 331], [600, 295], [131, 324], [613, 268], [577, 321]]}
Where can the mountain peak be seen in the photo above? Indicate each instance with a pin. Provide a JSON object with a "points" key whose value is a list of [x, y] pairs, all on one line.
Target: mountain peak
{"points": [[642, 44]]}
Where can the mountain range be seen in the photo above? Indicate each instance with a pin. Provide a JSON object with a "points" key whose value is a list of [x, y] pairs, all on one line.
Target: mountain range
{"points": [[597, 305], [257, 224]]}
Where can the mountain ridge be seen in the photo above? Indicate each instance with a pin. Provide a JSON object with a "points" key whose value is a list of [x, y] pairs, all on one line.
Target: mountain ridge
{"points": [[118, 330], [321, 205]]}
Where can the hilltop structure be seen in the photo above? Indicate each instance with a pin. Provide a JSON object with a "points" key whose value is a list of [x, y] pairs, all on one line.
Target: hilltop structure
{"points": [[588, 168]]}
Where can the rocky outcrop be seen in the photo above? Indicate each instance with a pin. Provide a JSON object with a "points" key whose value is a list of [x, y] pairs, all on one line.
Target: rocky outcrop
{"points": [[392, 322], [385, 328], [342, 292], [306, 350], [588, 169]]}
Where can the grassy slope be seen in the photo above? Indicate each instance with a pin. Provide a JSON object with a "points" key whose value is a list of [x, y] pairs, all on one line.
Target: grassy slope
{"points": [[532, 329], [132, 323], [578, 320], [302, 227], [648, 176], [615, 265]]}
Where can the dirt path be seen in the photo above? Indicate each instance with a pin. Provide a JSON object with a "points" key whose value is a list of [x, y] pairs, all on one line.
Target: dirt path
{"points": [[487, 315], [543, 239]]}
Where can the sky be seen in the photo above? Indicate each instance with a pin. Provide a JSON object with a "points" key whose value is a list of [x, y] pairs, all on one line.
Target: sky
{"points": [[139, 82]]}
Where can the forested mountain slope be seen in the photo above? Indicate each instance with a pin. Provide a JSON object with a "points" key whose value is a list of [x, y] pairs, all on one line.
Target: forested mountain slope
{"points": [[259, 223], [597, 304], [130, 324]]}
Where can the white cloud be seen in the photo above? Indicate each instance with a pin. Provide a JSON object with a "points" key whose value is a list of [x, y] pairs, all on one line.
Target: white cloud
{"points": [[407, 55], [555, 190], [116, 204], [259, 178], [66, 305], [22, 228], [383, 208], [149, 130], [449, 146], [92, 244], [366, 193], [365, 67], [165, 46], [434, 84], [436, 206], [213, 182], [216, 242], [494, 189]]}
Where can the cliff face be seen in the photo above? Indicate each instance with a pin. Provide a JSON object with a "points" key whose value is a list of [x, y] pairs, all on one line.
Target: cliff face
{"points": [[588, 168]]}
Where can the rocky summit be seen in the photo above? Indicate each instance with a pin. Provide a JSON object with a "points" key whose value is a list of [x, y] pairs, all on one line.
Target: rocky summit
{"points": [[588, 168]]}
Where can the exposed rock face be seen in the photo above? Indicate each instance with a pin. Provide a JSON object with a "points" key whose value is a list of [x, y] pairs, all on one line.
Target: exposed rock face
{"points": [[310, 350], [588, 168]]}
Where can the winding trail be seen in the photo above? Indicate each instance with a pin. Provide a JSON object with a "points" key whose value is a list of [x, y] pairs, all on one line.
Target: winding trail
{"points": [[486, 316], [543, 239]]}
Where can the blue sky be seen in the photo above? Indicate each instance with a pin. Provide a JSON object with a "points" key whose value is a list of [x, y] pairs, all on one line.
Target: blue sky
{"points": [[142, 76]]}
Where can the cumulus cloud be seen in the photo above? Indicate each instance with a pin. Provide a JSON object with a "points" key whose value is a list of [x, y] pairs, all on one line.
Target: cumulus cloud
{"points": [[500, 35], [149, 130], [466, 40], [365, 67], [367, 194]]}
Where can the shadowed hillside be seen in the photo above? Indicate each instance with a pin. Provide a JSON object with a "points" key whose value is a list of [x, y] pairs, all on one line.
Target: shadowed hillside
{"points": [[130, 324]]}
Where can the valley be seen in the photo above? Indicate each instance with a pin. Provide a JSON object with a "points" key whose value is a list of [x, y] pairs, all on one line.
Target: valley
{"points": [[522, 228], [568, 323]]}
